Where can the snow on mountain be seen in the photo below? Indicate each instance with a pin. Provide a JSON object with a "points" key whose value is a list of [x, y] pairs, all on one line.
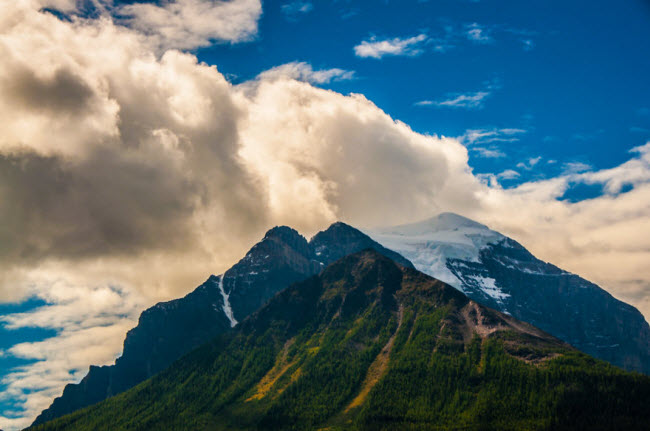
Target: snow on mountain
{"points": [[431, 243], [496, 271], [227, 309]]}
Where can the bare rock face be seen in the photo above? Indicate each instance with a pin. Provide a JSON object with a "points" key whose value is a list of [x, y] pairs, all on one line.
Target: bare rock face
{"points": [[567, 306], [281, 258], [168, 330]]}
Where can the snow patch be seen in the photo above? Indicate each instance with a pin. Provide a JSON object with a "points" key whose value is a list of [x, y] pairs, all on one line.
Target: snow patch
{"points": [[431, 243], [489, 287], [227, 309]]}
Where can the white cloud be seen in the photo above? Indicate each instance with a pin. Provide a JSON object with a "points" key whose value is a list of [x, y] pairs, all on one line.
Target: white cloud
{"points": [[302, 71], [292, 11], [452, 35], [485, 143], [474, 100], [60, 360], [633, 172], [62, 5], [488, 152], [189, 24], [123, 167], [478, 33], [530, 163], [90, 324], [508, 174], [575, 167], [487, 136], [468, 100], [378, 48]]}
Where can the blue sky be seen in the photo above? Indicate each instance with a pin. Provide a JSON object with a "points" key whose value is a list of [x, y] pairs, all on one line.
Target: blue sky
{"points": [[9, 338], [572, 76], [545, 95]]}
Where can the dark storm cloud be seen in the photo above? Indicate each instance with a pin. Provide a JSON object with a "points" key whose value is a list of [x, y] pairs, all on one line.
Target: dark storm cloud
{"points": [[108, 204]]}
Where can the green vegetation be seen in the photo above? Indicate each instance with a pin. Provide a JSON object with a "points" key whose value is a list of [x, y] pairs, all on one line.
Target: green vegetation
{"points": [[300, 361]]}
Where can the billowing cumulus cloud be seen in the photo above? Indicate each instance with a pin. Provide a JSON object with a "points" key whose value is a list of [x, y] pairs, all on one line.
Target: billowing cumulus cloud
{"points": [[129, 174]]}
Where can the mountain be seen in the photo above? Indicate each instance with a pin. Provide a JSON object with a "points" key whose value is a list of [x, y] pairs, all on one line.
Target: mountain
{"points": [[170, 329], [371, 345], [497, 271]]}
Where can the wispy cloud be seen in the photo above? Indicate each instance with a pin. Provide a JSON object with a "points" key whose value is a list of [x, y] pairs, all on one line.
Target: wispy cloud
{"points": [[485, 143], [530, 163], [294, 10], [478, 33], [486, 136], [508, 174], [491, 152], [460, 100], [303, 71], [467, 100], [378, 48], [575, 168], [451, 35]]}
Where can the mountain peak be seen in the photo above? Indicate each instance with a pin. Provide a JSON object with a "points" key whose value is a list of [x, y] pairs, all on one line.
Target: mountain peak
{"points": [[336, 229], [341, 239], [430, 243], [453, 220], [283, 233], [277, 238], [446, 221]]}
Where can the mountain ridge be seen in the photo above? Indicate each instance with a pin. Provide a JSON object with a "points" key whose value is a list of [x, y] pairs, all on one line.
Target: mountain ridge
{"points": [[492, 268], [312, 357], [499, 272], [170, 329]]}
